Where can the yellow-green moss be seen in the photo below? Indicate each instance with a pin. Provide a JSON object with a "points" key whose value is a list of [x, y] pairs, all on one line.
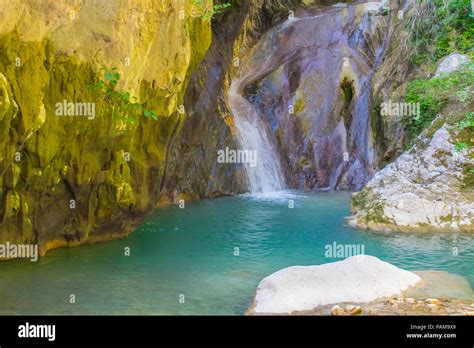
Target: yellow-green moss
{"points": [[368, 207], [299, 105], [110, 170]]}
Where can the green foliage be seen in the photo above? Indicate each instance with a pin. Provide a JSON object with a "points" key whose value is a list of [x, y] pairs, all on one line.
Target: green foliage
{"points": [[438, 30], [468, 122], [430, 105], [461, 146], [433, 94], [216, 9], [124, 106], [465, 142], [467, 125]]}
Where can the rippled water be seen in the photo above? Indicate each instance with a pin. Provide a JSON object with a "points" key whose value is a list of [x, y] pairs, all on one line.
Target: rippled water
{"points": [[190, 252]]}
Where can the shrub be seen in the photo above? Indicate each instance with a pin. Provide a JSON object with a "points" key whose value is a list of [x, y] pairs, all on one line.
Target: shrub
{"points": [[124, 107], [433, 94], [438, 30]]}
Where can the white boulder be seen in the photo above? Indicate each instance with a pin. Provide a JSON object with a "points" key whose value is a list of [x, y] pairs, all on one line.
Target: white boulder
{"points": [[451, 63], [360, 278]]}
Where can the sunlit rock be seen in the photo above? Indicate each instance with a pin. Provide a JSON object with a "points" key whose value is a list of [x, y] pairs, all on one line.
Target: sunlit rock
{"points": [[356, 279], [421, 190], [451, 63]]}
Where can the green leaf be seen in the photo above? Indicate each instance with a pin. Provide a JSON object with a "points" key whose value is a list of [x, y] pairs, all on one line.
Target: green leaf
{"points": [[461, 146], [125, 95], [114, 94], [109, 75]]}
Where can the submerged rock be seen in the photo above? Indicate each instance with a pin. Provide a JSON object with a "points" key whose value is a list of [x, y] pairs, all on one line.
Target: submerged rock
{"points": [[421, 190], [439, 285], [356, 279]]}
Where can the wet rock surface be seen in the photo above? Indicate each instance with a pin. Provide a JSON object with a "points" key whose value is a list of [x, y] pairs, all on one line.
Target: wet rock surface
{"points": [[311, 78]]}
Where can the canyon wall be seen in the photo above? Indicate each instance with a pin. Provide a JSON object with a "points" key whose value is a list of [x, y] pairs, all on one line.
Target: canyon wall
{"points": [[194, 172], [66, 180], [313, 75]]}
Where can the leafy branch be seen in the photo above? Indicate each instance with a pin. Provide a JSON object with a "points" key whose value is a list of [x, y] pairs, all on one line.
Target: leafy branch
{"points": [[124, 107], [208, 14]]}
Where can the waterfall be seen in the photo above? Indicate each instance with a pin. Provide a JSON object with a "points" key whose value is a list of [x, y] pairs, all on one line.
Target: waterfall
{"points": [[325, 62], [252, 134]]}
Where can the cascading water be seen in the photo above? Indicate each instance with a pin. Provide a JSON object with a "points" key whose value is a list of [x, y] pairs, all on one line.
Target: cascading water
{"points": [[252, 132], [252, 135], [320, 65]]}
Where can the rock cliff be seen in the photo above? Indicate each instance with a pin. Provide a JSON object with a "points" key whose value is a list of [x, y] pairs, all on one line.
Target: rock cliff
{"points": [[313, 73], [424, 189], [67, 180], [430, 186]]}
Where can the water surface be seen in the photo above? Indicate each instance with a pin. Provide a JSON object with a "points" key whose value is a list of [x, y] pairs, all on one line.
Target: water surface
{"points": [[191, 252]]}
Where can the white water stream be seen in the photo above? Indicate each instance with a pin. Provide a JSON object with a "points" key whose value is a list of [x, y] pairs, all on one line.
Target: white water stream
{"points": [[252, 135]]}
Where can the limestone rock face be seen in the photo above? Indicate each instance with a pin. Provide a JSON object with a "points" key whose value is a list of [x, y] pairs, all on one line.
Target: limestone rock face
{"points": [[204, 130], [422, 190], [312, 81], [451, 63], [209, 126], [356, 279], [69, 180], [113, 173]]}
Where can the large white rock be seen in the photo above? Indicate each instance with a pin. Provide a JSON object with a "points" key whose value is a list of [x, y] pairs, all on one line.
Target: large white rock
{"points": [[360, 278], [420, 191], [451, 63]]}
